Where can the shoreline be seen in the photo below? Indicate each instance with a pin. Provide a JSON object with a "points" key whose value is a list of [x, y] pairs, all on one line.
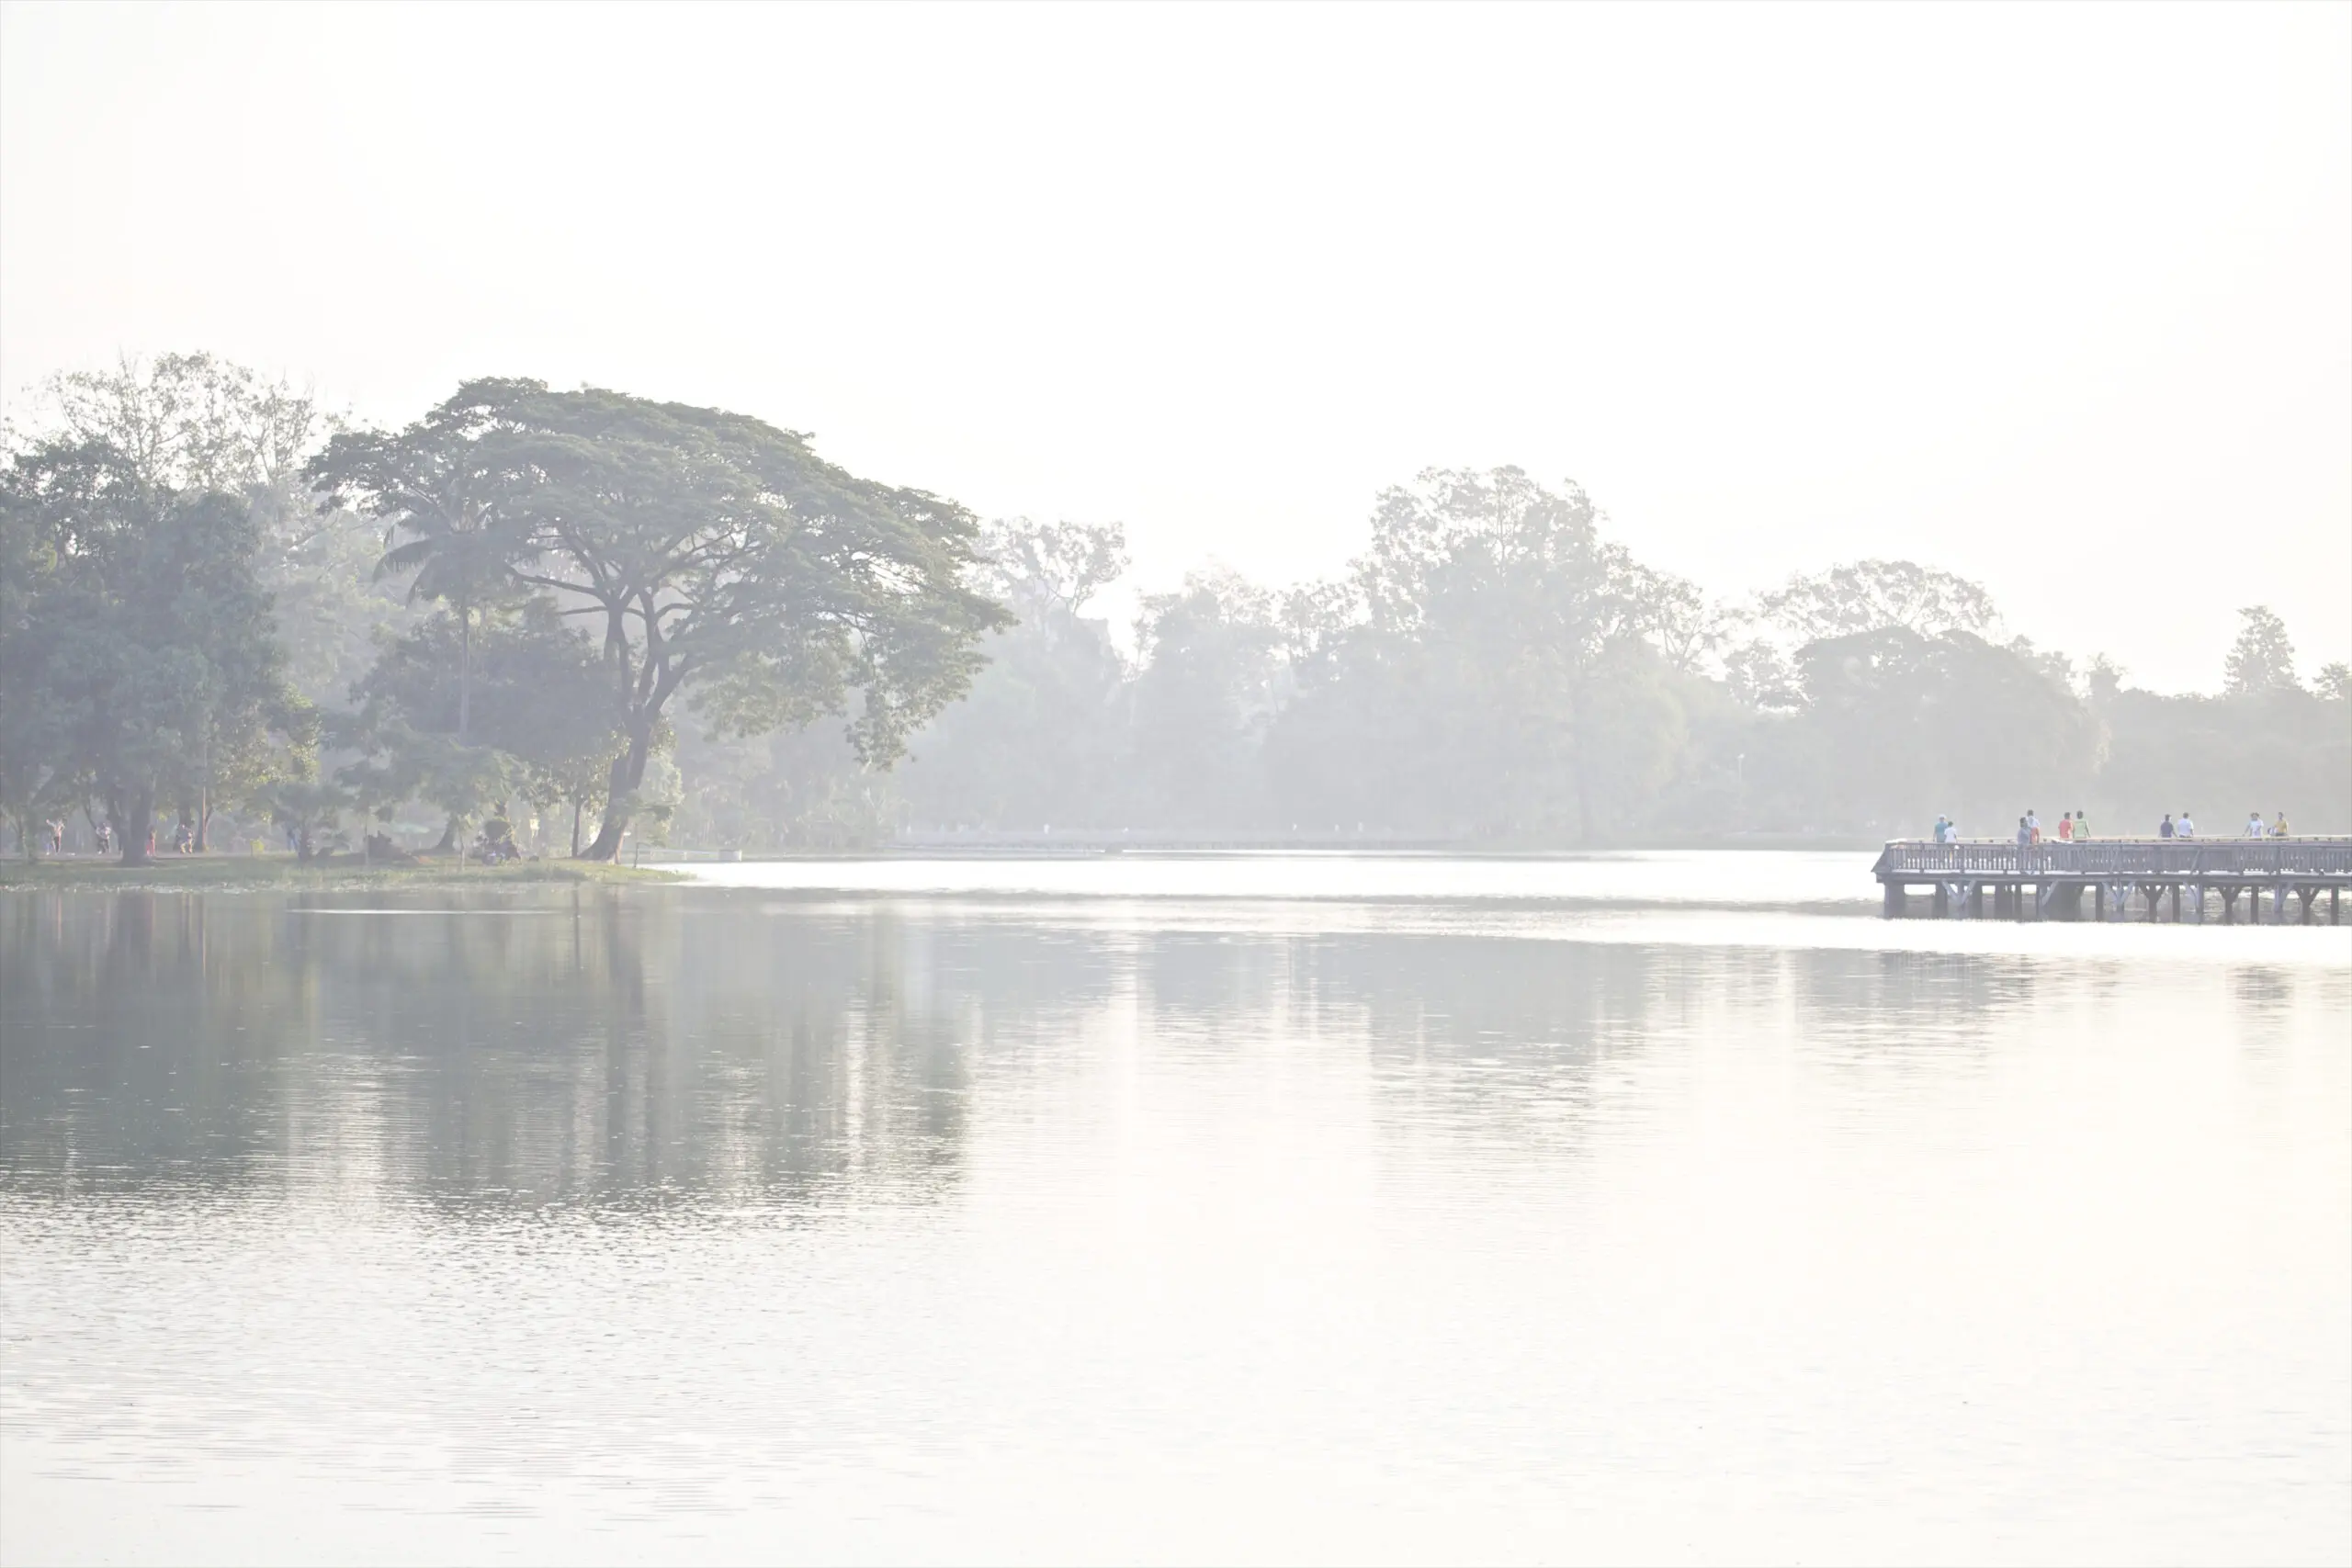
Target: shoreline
{"points": [[201, 874]]}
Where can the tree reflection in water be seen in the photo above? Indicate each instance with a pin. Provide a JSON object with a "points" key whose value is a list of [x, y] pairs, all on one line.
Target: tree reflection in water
{"points": [[517, 1050]]}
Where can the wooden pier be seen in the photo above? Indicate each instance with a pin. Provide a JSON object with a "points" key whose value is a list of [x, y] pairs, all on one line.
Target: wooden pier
{"points": [[2294, 882]]}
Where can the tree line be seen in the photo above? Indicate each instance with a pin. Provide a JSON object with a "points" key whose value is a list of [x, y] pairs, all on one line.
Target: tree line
{"points": [[614, 614]]}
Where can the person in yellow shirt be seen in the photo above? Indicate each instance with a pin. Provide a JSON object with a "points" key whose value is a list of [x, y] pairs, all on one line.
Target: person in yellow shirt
{"points": [[2278, 829]]}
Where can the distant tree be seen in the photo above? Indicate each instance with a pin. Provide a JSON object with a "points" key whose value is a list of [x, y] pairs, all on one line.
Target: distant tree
{"points": [[395, 763], [40, 775], [439, 483], [517, 703], [716, 555], [1761, 676], [1872, 595], [1898, 727], [183, 422], [1209, 686], [148, 642], [1497, 668], [193, 424], [2262, 659], [1041, 736], [1682, 623], [311, 809], [2102, 681], [2334, 681], [1060, 565]]}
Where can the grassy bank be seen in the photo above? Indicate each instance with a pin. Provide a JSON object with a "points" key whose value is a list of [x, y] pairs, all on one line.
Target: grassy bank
{"points": [[200, 873]]}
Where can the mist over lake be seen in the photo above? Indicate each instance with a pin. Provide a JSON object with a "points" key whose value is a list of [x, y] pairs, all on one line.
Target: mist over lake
{"points": [[1260, 784]]}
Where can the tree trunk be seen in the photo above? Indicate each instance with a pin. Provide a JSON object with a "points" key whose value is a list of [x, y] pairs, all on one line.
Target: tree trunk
{"points": [[628, 772], [134, 826], [575, 827], [448, 837], [203, 820]]}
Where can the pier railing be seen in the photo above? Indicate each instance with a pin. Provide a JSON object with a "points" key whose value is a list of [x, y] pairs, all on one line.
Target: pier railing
{"points": [[2122, 859]]}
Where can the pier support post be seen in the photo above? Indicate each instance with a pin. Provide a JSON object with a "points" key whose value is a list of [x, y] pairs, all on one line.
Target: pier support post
{"points": [[1892, 905]]}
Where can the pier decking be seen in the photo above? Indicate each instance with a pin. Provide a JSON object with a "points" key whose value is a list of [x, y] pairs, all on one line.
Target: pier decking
{"points": [[2119, 879]]}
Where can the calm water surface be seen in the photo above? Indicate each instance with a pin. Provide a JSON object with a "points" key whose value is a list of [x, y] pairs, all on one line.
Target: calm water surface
{"points": [[1647, 1208]]}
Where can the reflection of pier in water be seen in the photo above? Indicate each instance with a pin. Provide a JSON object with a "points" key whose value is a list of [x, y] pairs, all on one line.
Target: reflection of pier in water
{"points": [[2120, 879]]}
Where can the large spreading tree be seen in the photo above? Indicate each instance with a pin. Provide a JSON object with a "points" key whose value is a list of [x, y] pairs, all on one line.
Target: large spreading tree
{"points": [[716, 561]]}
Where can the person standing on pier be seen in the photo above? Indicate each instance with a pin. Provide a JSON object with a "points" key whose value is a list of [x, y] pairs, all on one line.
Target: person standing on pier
{"points": [[2187, 828], [2165, 830], [2065, 829], [2253, 827], [2278, 829], [2033, 825]]}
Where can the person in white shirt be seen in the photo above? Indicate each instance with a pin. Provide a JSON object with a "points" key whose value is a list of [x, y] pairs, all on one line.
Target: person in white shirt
{"points": [[2253, 827], [2184, 828]]}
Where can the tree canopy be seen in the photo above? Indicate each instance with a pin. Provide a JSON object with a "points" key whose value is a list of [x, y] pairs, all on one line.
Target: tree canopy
{"points": [[138, 663], [2263, 657], [642, 611], [711, 555]]}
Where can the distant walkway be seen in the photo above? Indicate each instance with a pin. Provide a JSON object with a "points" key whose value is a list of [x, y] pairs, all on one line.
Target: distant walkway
{"points": [[2118, 879]]}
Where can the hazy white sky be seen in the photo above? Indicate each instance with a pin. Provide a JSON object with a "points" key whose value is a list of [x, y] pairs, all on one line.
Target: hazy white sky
{"points": [[2058, 298]]}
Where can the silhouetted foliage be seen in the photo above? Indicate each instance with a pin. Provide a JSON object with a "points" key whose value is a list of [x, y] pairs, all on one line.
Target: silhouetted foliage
{"points": [[637, 611], [138, 664], [716, 555]]}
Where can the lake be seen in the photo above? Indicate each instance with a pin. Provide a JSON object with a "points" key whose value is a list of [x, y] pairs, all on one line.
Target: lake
{"points": [[1167, 1209]]}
